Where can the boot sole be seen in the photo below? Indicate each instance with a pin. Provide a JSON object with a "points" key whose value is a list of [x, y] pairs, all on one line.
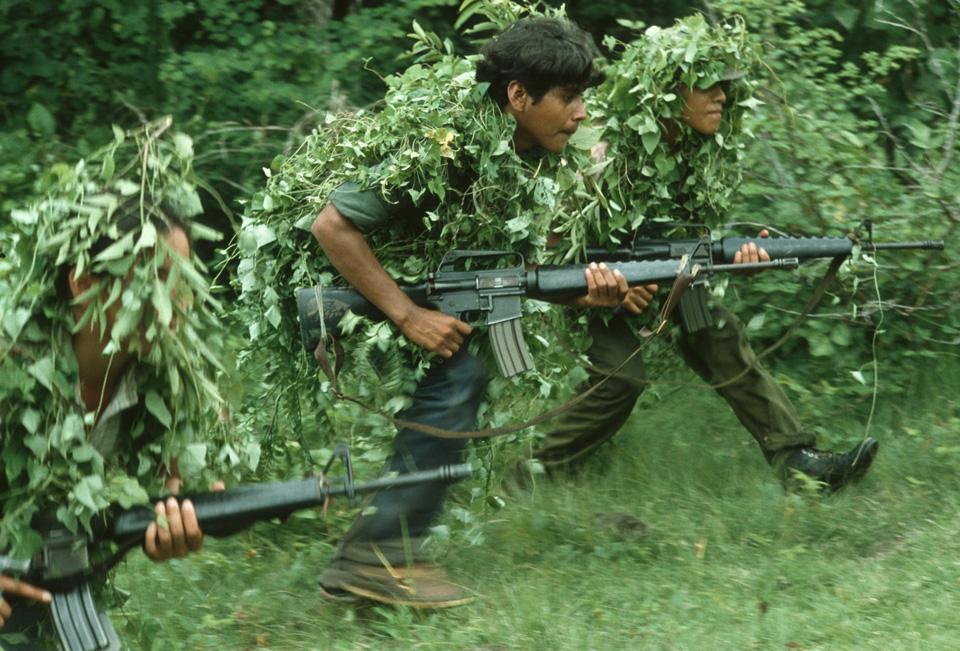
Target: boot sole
{"points": [[338, 595], [401, 601]]}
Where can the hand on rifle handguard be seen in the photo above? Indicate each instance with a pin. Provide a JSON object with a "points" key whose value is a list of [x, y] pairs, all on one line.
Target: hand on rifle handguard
{"points": [[750, 252], [607, 287], [175, 532]]}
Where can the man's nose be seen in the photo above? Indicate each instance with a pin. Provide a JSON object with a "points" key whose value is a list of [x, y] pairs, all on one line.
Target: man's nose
{"points": [[579, 110], [718, 94]]}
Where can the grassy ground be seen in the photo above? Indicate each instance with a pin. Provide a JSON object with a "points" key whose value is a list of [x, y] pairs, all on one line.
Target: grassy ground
{"points": [[728, 562]]}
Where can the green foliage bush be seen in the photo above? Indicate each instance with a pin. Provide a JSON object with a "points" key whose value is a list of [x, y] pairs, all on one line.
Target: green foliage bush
{"points": [[240, 74], [50, 462]]}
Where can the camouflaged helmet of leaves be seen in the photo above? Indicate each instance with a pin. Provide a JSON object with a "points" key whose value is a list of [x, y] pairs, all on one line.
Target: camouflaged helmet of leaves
{"points": [[645, 177], [102, 217]]}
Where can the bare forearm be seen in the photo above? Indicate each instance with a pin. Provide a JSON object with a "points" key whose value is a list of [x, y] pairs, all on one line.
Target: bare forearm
{"points": [[351, 255], [349, 252]]}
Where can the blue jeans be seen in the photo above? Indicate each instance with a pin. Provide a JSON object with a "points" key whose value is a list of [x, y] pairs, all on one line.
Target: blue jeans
{"points": [[447, 397]]}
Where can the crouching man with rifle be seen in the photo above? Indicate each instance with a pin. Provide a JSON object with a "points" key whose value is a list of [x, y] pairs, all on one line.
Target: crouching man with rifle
{"points": [[106, 367], [686, 104], [86, 401], [106, 374], [534, 73]]}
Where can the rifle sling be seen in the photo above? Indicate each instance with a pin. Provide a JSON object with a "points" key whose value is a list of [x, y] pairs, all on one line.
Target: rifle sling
{"points": [[815, 298], [69, 582], [323, 359]]}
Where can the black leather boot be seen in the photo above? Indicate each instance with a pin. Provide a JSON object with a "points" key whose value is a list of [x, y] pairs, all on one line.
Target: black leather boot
{"points": [[833, 469]]}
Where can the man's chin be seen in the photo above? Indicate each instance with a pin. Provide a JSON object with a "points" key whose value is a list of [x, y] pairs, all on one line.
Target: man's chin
{"points": [[558, 144]]}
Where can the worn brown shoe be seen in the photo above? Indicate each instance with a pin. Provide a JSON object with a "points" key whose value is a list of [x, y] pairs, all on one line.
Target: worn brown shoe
{"points": [[422, 585]]}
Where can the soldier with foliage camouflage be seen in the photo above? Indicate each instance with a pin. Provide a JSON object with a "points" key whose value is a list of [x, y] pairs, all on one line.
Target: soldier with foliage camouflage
{"points": [[672, 108], [107, 366], [445, 163], [536, 71]]}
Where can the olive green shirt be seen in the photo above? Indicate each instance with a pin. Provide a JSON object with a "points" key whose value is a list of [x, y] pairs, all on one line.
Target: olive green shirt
{"points": [[366, 209]]}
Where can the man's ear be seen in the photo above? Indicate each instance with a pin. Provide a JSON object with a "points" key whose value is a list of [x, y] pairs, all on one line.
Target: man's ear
{"points": [[517, 96], [78, 284]]}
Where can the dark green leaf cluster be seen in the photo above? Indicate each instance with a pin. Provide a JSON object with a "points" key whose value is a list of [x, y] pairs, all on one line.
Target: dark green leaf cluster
{"points": [[246, 77]]}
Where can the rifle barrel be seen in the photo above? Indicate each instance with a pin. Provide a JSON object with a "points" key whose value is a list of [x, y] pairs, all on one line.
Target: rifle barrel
{"points": [[446, 474], [723, 250], [225, 513], [929, 245]]}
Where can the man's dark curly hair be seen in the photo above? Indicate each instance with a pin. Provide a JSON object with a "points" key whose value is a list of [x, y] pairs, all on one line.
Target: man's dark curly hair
{"points": [[541, 53]]}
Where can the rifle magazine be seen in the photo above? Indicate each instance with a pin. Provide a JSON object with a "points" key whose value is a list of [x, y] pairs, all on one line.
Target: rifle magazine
{"points": [[79, 625], [510, 348], [695, 310]]}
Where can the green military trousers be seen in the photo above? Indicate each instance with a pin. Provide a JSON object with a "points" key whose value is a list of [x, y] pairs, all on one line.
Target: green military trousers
{"points": [[717, 353]]}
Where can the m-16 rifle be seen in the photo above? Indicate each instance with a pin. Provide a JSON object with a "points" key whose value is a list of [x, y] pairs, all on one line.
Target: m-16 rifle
{"points": [[65, 563], [704, 250], [492, 296]]}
